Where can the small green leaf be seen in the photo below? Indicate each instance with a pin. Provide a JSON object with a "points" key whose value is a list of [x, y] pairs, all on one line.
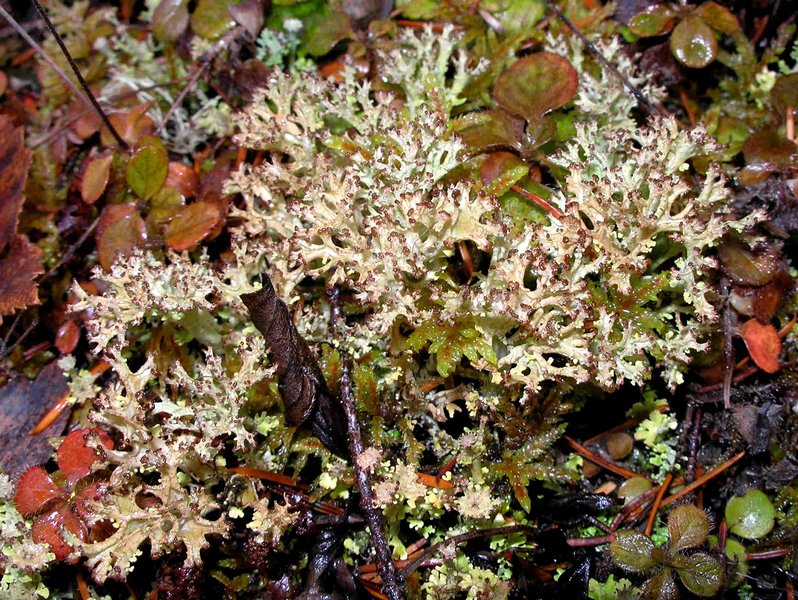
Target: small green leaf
{"points": [[703, 574], [655, 20], [632, 488], [751, 516], [693, 43], [211, 19], [324, 31], [169, 20], [536, 84], [449, 343], [490, 129], [688, 527], [631, 550], [147, 170]]}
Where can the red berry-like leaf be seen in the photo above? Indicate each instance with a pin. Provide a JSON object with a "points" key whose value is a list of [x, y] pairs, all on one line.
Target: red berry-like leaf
{"points": [[75, 457], [47, 529], [763, 343], [35, 489]]}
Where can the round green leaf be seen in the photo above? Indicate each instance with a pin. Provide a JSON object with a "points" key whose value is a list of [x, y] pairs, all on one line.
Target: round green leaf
{"points": [[490, 129], [147, 170], [632, 488], [750, 516], [688, 527], [536, 84], [693, 43], [703, 574], [655, 20], [631, 550]]}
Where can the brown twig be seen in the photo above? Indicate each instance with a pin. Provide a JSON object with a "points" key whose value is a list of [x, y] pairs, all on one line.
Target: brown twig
{"points": [[600, 460], [373, 516], [590, 541], [43, 13]]}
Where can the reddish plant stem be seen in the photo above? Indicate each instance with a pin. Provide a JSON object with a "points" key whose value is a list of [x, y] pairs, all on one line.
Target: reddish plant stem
{"points": [[590, 541], [767, 554], [552, 210]]}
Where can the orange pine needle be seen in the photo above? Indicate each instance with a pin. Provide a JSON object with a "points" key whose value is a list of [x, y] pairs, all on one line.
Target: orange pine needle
{"points": [[434, 481], [52, 414], [702, 480], [600, 461], [83, 589], [655, 506], [269, 476]]}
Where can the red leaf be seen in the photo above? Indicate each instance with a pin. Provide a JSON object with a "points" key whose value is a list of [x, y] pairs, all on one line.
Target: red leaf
{"points": [[67, 337], [18, 272], [763, 343], [14, 163], [47, 529], [75, 458], [183, 179], [35, 489], [535, 84]]}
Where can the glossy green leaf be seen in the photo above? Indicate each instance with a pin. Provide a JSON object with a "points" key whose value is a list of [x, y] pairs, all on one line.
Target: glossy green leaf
{"points": [[751, 516], [631, 550], [703, 574], [119, 232], [147, 170], [718, 17], [693, 43], [688, 526], [536, 84], [655, 20], [769, 149]]}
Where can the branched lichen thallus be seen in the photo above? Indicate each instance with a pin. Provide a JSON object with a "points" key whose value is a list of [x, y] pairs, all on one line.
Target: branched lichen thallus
{"points": [[306, 396]]}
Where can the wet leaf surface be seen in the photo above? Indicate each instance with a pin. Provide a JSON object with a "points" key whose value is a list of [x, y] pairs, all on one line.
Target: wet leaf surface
{"points": [[693, 43], [535, 85], [751, 516], [632, 550], [702, 575], [655, 20], [48, 528], [211, 18], [169, 20]]}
